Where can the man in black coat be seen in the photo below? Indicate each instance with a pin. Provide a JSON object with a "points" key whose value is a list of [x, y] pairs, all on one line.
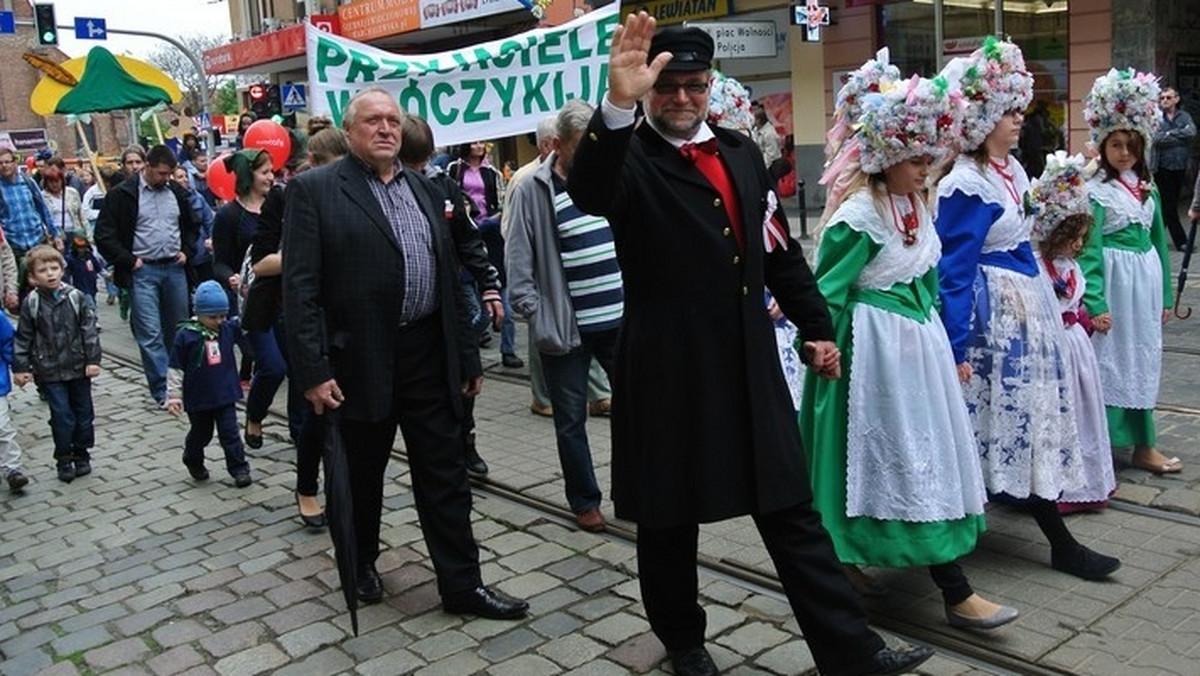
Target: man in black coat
{"points": [[375, 327], [703, 426], [145, 231]]}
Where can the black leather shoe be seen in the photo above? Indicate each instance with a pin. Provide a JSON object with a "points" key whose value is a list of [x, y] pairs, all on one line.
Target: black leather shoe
{"points": [[475, 464], [369, 586], [66, 472], [692, 662], [314, 521], [83, 468], [894, 661], [484, 602], [511, 361]]}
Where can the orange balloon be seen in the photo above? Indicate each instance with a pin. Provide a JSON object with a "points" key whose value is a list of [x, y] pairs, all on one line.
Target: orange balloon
{"points": [[221, 180], [272, 137]]}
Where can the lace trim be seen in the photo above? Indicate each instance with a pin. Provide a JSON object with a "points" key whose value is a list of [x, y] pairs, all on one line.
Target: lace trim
{"points": [[895, 263], [1013, 227], [1120, 208]]}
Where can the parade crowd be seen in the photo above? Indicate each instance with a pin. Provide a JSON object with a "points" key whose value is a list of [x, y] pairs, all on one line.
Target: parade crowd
{"points": [[967, 333]]}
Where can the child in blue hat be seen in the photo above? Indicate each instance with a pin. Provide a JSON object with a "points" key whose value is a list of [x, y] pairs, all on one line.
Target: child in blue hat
{"points": [[203, 381]]}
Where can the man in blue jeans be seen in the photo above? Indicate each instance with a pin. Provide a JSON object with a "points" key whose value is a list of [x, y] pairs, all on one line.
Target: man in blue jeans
{"points": [[145, 231], [563, 276]]}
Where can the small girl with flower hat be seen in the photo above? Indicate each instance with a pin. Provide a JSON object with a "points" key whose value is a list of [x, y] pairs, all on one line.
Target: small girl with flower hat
{"points": [[889, 446], [1125, 262], [1061, 221], [1004, 327]]}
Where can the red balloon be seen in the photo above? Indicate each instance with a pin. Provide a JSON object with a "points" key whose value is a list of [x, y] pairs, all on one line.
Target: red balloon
{"points": [[271, 137], [30, 163], [221, 180]]}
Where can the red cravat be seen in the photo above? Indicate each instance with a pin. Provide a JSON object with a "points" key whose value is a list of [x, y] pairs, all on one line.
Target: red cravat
{"points": [[704, 154]]}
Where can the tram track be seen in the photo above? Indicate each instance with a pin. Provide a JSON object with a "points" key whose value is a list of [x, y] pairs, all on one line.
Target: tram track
{"points": [[962, 649]]}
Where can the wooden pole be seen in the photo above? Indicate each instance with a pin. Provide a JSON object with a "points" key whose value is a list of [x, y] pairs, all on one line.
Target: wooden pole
{"points": [[91, 156]]}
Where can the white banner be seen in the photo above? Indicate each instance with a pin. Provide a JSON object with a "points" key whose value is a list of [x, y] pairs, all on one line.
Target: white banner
{"points": [[486, 91]]}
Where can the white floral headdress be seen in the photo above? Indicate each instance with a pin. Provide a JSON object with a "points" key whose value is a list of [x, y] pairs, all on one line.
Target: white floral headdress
{"points": [[729, 103], [905, 120], [1060, 191], [993, 80], [1123, 99], [868, 79]]}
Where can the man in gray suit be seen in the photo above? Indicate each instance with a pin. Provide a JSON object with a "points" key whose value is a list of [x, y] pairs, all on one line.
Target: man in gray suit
{"points": [[375, 328]]}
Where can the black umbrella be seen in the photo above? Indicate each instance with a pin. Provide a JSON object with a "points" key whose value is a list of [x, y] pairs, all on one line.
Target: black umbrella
{"points": [[1187, 258], [340, 509]]}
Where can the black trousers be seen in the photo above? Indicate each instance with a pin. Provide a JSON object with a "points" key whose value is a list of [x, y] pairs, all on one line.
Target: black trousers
{"points": [[825, 605], [1170, 184], [433, 437]]}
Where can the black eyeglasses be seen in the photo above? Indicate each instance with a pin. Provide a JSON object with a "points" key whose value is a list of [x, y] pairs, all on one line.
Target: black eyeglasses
{"points": [[669, 88]]}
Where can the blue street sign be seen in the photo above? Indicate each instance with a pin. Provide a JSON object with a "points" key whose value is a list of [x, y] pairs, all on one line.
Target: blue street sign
{"points": [[293, 97], [90, 28], [8, 23]]}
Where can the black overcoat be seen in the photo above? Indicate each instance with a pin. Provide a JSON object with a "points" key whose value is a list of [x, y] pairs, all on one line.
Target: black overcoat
{"points": [[702, 424], [342, 262]]}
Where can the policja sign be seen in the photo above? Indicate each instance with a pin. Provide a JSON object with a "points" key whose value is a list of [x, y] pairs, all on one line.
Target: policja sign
{"points": [[740, 40]]}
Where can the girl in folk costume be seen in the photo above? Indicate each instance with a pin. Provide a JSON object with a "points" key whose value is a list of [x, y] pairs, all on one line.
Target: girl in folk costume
{"points": [[1061, 222], [1004, 327], [891, 452], [1125, 262]]}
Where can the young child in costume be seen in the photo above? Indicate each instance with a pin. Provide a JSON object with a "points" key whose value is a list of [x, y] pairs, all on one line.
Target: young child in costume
{"points": [[890, 449], [1004, 326], [1061, 221], [203, 381], [1125, 261]]}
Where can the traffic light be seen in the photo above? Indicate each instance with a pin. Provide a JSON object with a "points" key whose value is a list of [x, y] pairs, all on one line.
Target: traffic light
{"points": [[43, 21], [274, 101], [258, 100]]}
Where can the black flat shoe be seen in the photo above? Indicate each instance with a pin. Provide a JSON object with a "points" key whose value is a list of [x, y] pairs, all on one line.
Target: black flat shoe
{"points": [[314, 521], [370, 586], [692, 662], [253, 440], [484, 602]]}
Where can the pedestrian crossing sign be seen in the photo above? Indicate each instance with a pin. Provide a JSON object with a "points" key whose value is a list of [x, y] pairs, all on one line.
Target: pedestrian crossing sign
{"points": [[294, 97]]}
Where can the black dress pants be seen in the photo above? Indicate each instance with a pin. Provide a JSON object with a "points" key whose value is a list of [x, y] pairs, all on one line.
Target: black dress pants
{"points": [[825, 605], [432, 433], [1170, 185]]}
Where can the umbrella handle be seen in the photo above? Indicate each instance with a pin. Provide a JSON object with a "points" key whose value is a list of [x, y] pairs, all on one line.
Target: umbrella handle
{"points": [[1180, 313]]}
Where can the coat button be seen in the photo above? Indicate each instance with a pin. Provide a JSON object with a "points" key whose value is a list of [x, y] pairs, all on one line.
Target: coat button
{"points": [[726, 232], [592, 136], [745, 291], [737, 259], [717, 202]]}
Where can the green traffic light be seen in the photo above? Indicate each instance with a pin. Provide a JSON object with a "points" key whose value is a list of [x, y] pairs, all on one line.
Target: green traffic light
{"points": [[48, 36]]}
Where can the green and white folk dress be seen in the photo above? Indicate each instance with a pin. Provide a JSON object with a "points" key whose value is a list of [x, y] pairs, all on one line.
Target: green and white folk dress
{"points": [[1128, 275], [890, 448]]}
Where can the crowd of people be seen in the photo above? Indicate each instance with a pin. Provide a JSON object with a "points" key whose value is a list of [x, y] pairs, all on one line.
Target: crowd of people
{"points": [[967, 334]]}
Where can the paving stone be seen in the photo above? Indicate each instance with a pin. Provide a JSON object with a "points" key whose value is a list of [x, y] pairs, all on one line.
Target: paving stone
{"points": [[49, 616], [328, 661], [529, 584], [572, 650], [179, 632], [767, 608], [81, 640], [143, 621], [233, 639], [155, 597], [438, 646], [553, 599], [57, 669], [789, 657], [240, 611], [217, 578], [369, 645], [195, 604], [525, 665], [507, 645], [569, 569], [298, 615], [27, 662], [597, 580], [616, 629], [310, 638], [639, 654], [175, 660], [123, 652], [430, 624], [92, 618], [535, 558], [392, 664], [597, 607], [456, 665], [257, 660]]}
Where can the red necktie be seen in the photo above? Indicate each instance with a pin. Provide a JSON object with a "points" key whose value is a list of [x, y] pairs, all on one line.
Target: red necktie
{"points": [[704, 155]]}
